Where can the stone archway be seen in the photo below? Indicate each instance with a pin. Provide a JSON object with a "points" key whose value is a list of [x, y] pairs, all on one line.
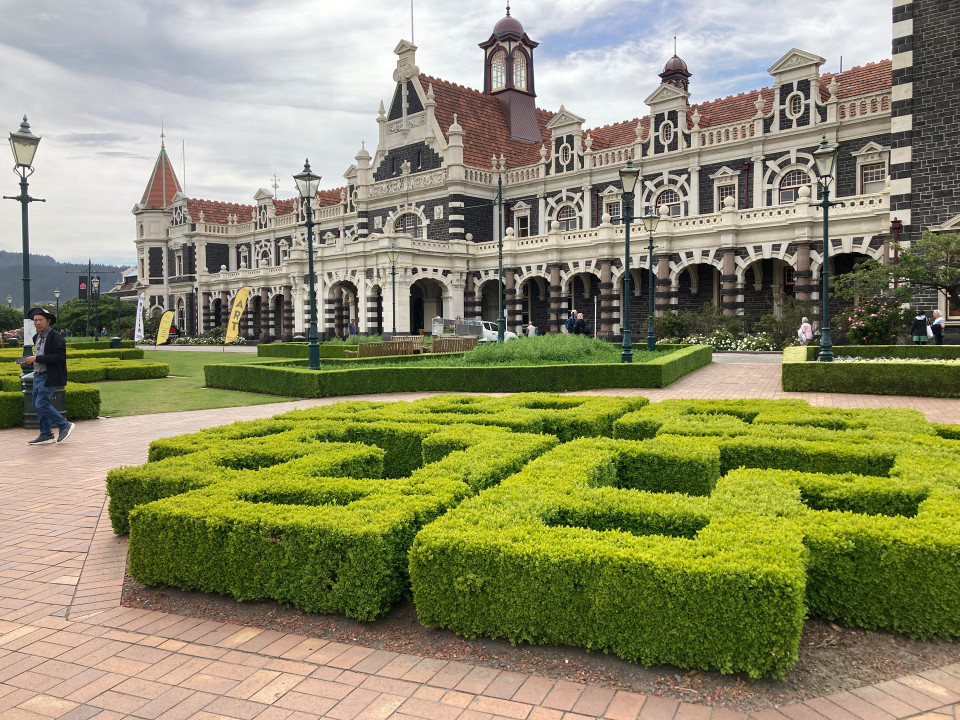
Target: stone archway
{"points": [[426, 301], [535, 303]]}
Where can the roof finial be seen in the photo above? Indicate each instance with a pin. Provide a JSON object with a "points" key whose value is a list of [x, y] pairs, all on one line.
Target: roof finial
{"points": [[162, 136], [674, 45], [276, 185], [508, 8]]}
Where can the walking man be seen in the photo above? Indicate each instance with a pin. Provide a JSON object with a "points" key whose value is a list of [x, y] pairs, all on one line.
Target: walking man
{"points": [[49, 373]]}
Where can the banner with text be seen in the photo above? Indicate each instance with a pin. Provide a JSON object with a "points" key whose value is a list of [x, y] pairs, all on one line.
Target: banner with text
{"points": [[138, 331], [236, 314]]}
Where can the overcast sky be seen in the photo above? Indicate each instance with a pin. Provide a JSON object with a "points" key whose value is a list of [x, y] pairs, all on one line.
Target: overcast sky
{"points": [[249, 87]]}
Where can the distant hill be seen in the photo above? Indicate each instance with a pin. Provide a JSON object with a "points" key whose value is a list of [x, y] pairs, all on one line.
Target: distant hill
{"points": [[46, 275]]}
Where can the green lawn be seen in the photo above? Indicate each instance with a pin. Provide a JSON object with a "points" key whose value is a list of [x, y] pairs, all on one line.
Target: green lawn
{"points": [[183, 390]]}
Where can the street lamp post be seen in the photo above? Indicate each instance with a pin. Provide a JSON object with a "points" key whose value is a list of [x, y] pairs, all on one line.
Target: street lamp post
{"points": [[628, 179], [307, 184], [56, 294], [118, 305], [24, 145], [650, 221], [9, 301], [501, 320], [826, 159], [392, 255], [95, 287]]}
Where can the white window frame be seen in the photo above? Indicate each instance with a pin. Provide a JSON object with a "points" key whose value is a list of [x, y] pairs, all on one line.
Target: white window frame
{"points": [[796, 95], [794, 189], [519, 70], [675, 209], [498, 69], [564, 222], [521, 219]]}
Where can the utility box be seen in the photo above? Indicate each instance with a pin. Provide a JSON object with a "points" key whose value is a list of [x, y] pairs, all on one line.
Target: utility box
{"points": [[114, 343], [30, 419]]}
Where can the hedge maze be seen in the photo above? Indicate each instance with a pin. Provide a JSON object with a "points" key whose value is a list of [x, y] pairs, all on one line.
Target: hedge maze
{"points": [[697, 533]]}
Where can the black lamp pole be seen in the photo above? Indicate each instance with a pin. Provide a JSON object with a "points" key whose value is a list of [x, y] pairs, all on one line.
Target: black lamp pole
{"points": [[628, 179], [307, 184], [501, 320], [24, 145], [392, 255], [56, 294], [826, 158], [118, 305], [95, 286], [650, 221]]}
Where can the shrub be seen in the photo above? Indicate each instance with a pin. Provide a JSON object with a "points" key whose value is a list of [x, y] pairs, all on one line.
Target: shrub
{"points": [[875, 321]]}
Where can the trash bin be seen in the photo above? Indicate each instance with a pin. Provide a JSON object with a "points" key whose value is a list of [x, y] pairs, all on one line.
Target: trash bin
{"points": [[299, 338], [114, 343], [30, 419]]}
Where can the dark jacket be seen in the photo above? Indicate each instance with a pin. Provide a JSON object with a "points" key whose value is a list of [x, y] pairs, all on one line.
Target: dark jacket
{"points": [[580, 327], [919, 326], [54, 357]]}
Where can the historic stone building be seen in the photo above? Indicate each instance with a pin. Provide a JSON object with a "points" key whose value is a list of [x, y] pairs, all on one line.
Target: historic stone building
{"points": [[733, 180]]}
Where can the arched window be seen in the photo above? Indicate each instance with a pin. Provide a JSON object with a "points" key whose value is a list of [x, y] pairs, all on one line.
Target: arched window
{"points": [[498, 71], [796, 105], [265, 258], [519, 70], [181, 315], [568, 218], [409, 223], [791, 184], [670, 198], [141, 230]]}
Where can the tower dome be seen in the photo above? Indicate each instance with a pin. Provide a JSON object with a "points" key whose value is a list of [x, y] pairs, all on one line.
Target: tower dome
{"points": [[508, 25], [675, 73], [675, 63]]}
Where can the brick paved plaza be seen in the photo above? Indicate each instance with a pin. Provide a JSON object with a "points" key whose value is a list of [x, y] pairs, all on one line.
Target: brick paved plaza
{"points": [[68, 650]]}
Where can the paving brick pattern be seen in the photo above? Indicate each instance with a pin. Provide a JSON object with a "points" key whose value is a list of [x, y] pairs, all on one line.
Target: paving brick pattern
{"points": [[68, 650]]}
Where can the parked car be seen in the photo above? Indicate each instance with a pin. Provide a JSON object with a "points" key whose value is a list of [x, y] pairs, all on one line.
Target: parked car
{"points": [[489, 332], [174, 334]]}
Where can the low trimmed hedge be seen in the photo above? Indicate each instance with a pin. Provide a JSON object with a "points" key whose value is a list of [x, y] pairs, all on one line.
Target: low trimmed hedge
{"points": [[321, 544], [301, 382], [800, 373], [81, 402], [702, 534], [299, 350]]}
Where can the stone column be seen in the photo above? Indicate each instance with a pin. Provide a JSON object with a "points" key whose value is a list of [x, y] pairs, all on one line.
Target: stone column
{"points": [[286, 323], [510, 303], [471, 306], [266, 316], [224, 308], [557, 318], [663, 294], [607, 299], [802, 274], [728, 282]]}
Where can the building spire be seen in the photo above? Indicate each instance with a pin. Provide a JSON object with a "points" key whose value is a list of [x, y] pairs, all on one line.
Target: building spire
{"points": [[162, 136], [508, 8]]}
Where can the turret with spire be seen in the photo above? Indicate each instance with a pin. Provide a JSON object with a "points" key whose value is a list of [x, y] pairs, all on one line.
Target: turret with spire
{"points": [[163, 183]]}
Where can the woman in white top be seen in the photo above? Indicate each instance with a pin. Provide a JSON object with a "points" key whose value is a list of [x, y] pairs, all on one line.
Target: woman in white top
{"points": [[938, 325]]}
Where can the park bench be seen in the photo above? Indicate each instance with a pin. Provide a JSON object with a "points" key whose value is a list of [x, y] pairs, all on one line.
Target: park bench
{"points": [[402, 346], [453, 344]]}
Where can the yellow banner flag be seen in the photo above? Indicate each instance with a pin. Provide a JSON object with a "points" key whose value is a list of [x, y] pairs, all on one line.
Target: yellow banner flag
{"points": [[239, 307], [163, 332]]}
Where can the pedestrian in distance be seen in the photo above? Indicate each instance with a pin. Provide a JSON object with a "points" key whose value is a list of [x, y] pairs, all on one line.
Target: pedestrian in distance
{"points": [[805, 332], [531, 330], [352, 327], [580, 325], [918, 329], [571, 321], [938, 326], [49, 363]]}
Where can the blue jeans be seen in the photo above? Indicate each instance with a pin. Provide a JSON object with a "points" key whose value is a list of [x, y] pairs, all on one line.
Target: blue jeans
{"points": [[46, 413]]}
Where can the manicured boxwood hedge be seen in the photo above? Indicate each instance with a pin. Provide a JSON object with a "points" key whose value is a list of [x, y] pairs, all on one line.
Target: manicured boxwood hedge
{"points": [[81, 402], [700, 533], [301, 382], [801, 374]]}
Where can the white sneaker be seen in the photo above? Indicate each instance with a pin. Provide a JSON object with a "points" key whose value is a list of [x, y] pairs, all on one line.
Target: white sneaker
{"points": [[65, 432]]}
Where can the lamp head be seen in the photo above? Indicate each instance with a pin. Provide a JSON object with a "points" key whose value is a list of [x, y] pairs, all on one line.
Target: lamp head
{"points": [[56, 294], [392, 254], [307, 182], [825, 157], [95, 283], [650, 221], [24, 145], [629, 176]]}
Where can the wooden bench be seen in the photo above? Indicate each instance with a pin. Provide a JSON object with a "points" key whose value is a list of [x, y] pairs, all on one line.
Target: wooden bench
{"points": [[453, 344], [416, 340], [382, 349]]}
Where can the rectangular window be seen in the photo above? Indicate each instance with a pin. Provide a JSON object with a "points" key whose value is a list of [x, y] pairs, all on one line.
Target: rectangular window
{"points": [[522, 225], [612, 208], [723, 192], [873, 178]]}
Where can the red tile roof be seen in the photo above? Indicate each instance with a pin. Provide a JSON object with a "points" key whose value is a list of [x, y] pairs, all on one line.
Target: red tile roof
{"points": [[215, 211], [162, 186], [485, 130], [862, 79]]}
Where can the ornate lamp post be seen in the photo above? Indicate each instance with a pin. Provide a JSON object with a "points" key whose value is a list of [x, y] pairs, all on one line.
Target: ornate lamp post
{"points": [[501, 320], [118, 305], [392, 255], [628, 179], [24, 145], [307, 184], [95, 288], [9, 300], [56, 294], [826, 159], [650, 221]]}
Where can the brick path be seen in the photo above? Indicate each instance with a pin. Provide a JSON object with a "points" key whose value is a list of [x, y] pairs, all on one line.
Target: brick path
{"points": [[68, 650]]}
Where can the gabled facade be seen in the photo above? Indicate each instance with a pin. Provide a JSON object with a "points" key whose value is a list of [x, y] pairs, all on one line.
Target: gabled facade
{"points": [[733, 180]]}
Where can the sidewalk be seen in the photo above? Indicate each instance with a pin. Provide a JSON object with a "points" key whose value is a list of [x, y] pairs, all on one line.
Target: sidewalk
{"points": [[68, 650]]}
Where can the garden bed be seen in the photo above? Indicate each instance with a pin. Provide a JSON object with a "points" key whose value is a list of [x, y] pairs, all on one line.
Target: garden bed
{"points": [[899, 373]]}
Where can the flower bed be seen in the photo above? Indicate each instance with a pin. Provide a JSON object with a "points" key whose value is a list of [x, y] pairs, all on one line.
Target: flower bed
{"points": [[724, 340], [923, 371], [672, 532]]}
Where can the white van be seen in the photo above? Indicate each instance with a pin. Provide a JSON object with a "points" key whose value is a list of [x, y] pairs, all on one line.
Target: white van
{"points": [[489, 332]]}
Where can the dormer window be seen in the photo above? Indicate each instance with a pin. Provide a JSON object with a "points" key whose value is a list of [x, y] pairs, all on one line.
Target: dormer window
{"points": [[519, 70], [498, 71]]}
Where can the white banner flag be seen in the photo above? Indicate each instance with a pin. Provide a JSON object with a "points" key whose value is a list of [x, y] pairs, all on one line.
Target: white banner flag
{"points": [[138, 332]]}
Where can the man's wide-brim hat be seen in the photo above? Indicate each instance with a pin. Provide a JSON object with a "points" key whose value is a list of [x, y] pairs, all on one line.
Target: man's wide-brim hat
{"points": [[40, 311]]}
